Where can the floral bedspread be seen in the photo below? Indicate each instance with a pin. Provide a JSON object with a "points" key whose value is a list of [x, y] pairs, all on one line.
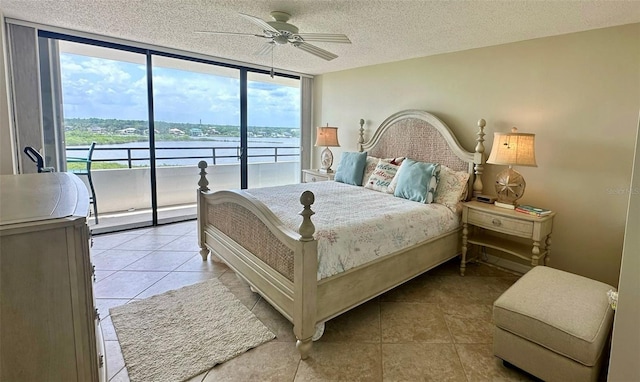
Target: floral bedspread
{"points": [[355, 225]]}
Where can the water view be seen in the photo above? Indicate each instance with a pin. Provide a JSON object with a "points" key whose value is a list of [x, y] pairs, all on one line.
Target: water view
{"points": [[196, 108], [168, 153]]}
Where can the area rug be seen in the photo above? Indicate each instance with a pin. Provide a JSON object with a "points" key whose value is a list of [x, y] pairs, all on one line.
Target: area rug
{"points": [[182, 333]]}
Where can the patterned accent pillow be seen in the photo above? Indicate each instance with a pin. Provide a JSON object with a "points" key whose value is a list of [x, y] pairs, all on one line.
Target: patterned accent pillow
{"points": [[417, 181], [382, 176], [372, 162], [451, 188]]}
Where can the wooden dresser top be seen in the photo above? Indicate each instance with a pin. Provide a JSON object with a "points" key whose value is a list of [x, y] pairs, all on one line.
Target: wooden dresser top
{"points": [[45, 196]]}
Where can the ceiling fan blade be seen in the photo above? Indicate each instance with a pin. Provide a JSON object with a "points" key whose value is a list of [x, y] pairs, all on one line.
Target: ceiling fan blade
{"points": [[231, 33], [261, 23], [265, 49], [324, 37], [315, 50]]}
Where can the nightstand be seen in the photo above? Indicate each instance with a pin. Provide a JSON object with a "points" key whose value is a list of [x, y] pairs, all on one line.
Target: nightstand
{"points": [[309, 176], [480, 218]]}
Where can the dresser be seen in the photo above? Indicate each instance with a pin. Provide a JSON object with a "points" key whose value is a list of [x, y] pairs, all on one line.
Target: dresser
{"points": [[49, 329]]}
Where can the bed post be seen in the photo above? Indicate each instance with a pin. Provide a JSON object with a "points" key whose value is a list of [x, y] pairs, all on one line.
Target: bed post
{"points": [[305, 276], [203, 184], [361, 139], [478, 158]]}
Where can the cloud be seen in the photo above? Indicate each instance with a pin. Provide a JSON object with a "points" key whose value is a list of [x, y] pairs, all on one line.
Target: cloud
{"points": [[102, 88]]}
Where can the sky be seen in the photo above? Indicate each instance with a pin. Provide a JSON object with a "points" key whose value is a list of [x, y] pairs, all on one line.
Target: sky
{"points": [[95, 87]]}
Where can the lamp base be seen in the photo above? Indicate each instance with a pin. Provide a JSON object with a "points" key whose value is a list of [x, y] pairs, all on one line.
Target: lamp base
{"points": [[510, 187], [326, 159]]}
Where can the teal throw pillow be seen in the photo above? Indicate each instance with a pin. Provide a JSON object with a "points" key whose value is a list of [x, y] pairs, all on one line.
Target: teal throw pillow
{"points": [[351, 168], [417, 181]]}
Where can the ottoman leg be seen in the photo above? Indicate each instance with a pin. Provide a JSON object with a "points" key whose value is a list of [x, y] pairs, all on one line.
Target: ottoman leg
{"points": [[511, 366]]}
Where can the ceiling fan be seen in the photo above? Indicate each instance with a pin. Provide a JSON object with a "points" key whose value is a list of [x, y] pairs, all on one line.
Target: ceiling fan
{"points": [[280, 32]]}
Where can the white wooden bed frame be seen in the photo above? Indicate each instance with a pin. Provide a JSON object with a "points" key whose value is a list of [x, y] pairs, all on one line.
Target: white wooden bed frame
{"points": [[307, 302]]}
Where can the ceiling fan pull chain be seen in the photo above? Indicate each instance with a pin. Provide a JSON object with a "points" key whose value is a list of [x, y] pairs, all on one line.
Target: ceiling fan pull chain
{"points": [[272, 49]]}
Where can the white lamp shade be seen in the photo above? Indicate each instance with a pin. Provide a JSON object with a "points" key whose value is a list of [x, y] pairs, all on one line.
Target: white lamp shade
{"points": [[513, 149]]}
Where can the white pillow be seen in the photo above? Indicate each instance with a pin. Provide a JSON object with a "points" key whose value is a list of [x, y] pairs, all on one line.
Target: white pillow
{"points": [[381, 176], [394, 182], [451, 188]]}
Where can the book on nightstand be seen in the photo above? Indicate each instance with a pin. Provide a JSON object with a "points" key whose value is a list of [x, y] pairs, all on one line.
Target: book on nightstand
{"points": [[504, 205], [531, 210]]}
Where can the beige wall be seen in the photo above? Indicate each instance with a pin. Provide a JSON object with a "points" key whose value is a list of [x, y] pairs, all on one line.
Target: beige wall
{"points": [[6, 156], [579, 93]]}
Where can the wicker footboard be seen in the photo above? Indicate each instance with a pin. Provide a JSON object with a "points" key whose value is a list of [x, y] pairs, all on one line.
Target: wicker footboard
{"points": [[277, 262], [244, 227]]}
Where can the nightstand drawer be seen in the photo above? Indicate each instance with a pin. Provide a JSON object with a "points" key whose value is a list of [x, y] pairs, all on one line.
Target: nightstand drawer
{"points": [[500, 223], [308, 178]]}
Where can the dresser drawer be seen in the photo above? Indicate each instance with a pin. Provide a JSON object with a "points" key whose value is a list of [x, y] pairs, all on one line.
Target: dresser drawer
{"points": [[500, 223]]}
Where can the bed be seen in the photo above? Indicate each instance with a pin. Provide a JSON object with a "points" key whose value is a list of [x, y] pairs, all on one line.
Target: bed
{"points": [[282, 259]]}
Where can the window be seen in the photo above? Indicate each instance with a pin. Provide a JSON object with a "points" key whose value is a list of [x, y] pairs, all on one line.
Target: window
{"points": [[155, 115]]}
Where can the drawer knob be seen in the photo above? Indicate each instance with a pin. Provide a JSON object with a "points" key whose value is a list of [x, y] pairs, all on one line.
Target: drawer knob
{"points": [[496, 222], [313, 179]]}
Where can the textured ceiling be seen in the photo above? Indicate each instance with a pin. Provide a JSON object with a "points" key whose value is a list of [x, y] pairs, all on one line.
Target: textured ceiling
{"points": [[380, 30]]}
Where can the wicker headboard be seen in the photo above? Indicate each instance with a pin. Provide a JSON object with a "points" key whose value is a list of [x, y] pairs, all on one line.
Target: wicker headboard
{"points": [[419, 135]]}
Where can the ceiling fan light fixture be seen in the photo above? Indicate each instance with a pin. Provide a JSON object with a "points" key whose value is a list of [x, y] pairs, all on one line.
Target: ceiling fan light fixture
{"points": [[283, 27], [281, 39]]}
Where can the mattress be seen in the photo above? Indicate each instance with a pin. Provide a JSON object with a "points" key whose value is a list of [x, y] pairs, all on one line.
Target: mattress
{"points": [[355, 225]]}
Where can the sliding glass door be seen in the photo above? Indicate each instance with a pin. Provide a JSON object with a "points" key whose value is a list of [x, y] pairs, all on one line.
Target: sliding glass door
{"points": [[196, 117], [104, 100], [273, 144], [155, 115]]}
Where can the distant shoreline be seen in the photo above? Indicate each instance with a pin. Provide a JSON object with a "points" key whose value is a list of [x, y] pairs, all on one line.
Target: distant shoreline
{"points": [[83, 131], [188, 139]]}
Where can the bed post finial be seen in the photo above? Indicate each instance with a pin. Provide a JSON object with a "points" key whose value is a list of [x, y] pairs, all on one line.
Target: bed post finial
{"points": [[361, 139], [479, 158], [203, 182], [307, 228]]}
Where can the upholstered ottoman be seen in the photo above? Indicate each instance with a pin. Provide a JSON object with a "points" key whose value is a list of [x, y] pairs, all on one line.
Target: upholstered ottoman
{"points": [[553, 325]]}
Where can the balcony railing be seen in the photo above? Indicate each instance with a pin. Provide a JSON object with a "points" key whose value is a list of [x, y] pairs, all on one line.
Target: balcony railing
{"points": [[215, 154], [125, 189]]}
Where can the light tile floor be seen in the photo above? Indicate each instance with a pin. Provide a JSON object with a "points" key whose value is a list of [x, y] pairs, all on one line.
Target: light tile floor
{"points": [[436, 327]]}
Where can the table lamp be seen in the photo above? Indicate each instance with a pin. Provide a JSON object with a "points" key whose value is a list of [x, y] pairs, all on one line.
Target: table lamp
{"points": [[512, 149], [328, 137]]}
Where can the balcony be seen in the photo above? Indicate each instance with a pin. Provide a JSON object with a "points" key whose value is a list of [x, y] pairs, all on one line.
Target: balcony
{"points": [[124, 194]]}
